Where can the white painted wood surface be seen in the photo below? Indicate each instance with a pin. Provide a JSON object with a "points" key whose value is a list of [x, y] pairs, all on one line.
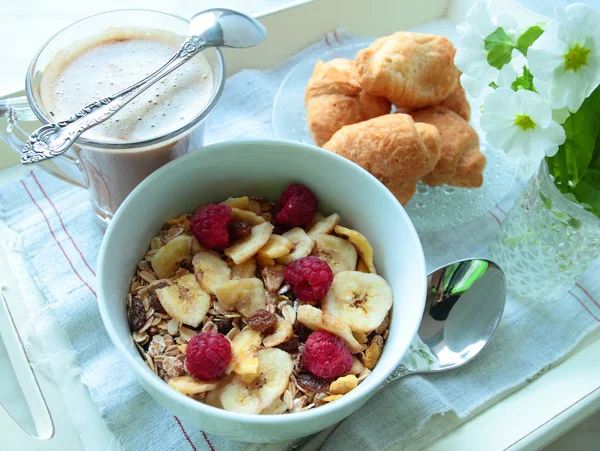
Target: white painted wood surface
{"points": [[527, 419]]}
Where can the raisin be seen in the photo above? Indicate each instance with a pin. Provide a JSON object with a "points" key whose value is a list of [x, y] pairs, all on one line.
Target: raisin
{"points": [[303, 332], [154, 301], [291, 345], [312, 383], [224, 325], [137, 314], [262, 320], [239, 230]]}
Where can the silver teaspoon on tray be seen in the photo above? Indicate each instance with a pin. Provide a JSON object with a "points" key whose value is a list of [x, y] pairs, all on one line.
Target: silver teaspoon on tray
{"points": [[211, 28], [464, 305]]}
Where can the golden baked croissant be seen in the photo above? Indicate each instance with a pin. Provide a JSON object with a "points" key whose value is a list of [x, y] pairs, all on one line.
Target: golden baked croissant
{"points": [[457, 102], [461, 162], [334, 98], [412, 70], [392, 148]]}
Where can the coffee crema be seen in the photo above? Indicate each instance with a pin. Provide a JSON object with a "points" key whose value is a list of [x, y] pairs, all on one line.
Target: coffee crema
{"points": [[115, 59]]}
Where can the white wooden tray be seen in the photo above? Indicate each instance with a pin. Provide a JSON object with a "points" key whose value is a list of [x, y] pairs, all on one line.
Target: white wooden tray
{"points": [[529, 418]]}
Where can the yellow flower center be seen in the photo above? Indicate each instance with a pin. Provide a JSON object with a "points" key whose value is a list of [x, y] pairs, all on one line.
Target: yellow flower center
{"points": [[525, 122], [576, 57]]}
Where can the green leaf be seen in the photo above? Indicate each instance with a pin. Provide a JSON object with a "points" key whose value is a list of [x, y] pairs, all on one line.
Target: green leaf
{"points": [[529, 37], [576, 154], [499, 46], [587, 190], [524, 81], [493, 85]]}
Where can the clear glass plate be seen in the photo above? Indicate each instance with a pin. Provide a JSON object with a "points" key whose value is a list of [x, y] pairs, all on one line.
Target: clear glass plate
{"points": [[431, 209]]}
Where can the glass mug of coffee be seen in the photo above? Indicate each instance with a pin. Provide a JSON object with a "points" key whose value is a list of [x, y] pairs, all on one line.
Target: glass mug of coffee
{"points": [[101, 55]]}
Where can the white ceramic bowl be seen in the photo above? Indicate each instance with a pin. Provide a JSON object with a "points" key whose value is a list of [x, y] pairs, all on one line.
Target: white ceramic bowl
{"points": [[263, 168]]}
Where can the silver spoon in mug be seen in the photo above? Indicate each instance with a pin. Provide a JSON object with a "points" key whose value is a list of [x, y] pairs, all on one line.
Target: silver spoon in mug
{"points": [[211, 28], [464, 305]]}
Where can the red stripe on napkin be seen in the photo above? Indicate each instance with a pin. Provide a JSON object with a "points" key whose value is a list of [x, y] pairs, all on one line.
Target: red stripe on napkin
{"points": [[210, 445], [62, 223], [185, 434], [56, 239], [495, 217], [585, 306], [588, 294]]}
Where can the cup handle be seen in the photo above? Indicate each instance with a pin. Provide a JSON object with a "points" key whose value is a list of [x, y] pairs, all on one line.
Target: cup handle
{"points": [[16, 109]]}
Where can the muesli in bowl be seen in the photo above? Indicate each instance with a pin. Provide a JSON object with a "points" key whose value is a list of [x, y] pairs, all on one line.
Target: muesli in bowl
{"points": [[259, 307]]}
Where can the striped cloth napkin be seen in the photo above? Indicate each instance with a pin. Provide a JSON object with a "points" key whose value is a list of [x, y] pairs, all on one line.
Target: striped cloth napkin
{"points": [[60, 243]]}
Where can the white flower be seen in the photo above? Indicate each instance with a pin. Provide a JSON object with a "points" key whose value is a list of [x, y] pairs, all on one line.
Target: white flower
{"points": [[471, 57], [520, 123], [565, 60]]}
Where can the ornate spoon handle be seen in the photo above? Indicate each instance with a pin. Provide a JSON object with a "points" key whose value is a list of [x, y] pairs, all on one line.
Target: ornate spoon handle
{"points": [[52, 140]]}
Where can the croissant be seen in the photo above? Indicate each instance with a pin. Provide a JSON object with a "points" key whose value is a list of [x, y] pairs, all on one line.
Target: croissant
{"points": [[457, 102], [393, 148], [334, 98], [461, 162], [412, 70]]}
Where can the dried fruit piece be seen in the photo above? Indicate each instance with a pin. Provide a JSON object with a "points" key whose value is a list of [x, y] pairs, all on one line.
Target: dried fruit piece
{"points": [[254, 207], [245, 346], [326, 356], [249, 246], [238, 202], [264, 262], [364, 248], [275, 368], [338, 253], [191, 386], [246, 270], [325, 225], [238, 215], [361, 266], [343, 385], [137, 314], [239, 230], [310, 278], [207, 355], [276, 247], [312, 383], [291, 346], [302, 245], [361, 300], [273, 277], [168, 258], [277, 407], [185, 301], [209, 225], [315, 319], [361, 337], [243, 295], [154, 301], [262, 320], [372, 354], [210, 270], [331, 398], [283, 332], [357, 366]]}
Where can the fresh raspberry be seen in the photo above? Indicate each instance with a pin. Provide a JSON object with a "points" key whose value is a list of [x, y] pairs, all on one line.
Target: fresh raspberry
{"points": [[296, 206], [310, 278], [326, 356], [209, 225], [207, 355]]}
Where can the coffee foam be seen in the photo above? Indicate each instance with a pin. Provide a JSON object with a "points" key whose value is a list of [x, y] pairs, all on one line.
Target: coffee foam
{"points": [[115, 59]]}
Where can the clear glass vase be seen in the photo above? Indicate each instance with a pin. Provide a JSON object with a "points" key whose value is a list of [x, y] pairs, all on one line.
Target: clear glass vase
{"points": [[546, 242]]}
